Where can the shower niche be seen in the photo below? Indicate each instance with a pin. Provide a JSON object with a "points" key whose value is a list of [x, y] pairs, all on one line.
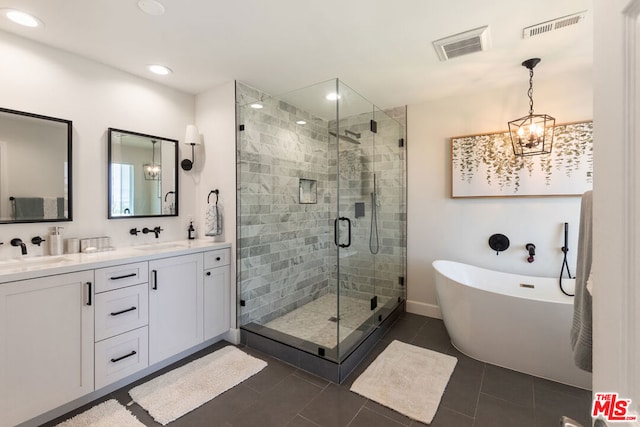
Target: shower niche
{"points": [[308, 191], [317, 282]]}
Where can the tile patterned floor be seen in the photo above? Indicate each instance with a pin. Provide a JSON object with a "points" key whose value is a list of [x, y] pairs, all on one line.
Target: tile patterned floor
{"points": [[478, 394]]}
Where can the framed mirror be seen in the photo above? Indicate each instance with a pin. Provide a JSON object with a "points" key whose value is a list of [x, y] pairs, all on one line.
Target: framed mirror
{"points": [[143, 175], [35, 168]]}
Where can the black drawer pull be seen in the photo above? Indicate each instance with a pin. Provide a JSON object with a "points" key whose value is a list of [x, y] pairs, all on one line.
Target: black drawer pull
{"points": [[133, 353], [115, 313], [123, 277], [89, 292], [154, 274]]}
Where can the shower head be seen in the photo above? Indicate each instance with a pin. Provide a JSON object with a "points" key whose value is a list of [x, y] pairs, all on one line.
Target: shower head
{"points": [[346, 137]]}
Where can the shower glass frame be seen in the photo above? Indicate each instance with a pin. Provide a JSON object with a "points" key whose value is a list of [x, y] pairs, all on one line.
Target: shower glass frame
{"points": [[342, 143]]}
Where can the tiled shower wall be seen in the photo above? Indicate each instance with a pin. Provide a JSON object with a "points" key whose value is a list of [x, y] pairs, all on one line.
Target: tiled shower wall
{"points": [[287, 255], [284, 244]]}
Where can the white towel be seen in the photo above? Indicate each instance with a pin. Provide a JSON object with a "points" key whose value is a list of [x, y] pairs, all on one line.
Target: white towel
{"points": [[50, 207], [581, 338], [214, 220]]}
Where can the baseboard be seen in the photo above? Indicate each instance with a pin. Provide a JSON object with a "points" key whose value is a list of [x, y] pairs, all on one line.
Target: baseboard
{"points": [[233, 336], [423, 309]]}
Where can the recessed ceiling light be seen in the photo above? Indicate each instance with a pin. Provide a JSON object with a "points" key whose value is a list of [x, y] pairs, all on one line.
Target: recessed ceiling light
{"points": [[22, 18], [256, 105], [301, 122], [160, 70], [151, 7], [332, 96]]}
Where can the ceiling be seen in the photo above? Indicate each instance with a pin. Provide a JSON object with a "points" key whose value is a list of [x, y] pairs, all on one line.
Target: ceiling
{"points": [[381, 49]]}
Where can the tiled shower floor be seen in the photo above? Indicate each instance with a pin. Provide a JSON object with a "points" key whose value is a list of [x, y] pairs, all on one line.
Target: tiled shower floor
{"points": [[316, 321]]}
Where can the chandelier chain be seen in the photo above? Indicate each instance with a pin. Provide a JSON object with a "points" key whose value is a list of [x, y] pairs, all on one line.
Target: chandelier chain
{"points": [[530, 92]]}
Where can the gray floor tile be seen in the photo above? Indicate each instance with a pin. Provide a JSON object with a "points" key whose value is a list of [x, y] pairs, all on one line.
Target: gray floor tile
{"points": [[461, 393], [300, 421], [401, 334], [551, 405], [314, 379], [447, 418], [270, 376], [343, 403], [508, 385], [387, 412], [434, 336], [279, 405], [543, 385], [494, 412], [369, 418]]}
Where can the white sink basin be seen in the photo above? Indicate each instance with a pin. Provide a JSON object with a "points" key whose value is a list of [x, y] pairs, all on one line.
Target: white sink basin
{"points": [[161, 246], [40, 260]]}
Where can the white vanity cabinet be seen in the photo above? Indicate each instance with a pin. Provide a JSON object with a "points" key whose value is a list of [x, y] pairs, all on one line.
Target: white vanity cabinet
{"points": [[217, 302], [175, 305], [121, 319], [46, 344], [72, 330]]}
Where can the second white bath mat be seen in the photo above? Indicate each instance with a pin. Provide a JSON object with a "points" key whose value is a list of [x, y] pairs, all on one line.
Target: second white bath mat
{"points": [[184, 389], [407, 379]]}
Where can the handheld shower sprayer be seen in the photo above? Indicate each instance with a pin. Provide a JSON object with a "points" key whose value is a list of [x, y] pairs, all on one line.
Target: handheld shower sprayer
{"points": [[565, 263]]}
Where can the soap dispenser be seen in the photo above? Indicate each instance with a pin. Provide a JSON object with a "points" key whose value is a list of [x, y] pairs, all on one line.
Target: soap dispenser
{"points": [[191, 230], [55, 242]]}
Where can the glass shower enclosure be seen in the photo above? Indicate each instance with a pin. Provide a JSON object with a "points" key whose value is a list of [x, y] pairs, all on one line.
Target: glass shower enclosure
{"points": [[321, 227]]}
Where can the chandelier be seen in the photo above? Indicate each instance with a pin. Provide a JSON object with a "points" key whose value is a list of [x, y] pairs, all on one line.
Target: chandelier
{"points": [[532, 134], [152, 170]]}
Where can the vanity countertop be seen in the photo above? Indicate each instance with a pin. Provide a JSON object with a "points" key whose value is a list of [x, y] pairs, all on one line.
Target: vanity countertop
{"points": [[31, 267]]}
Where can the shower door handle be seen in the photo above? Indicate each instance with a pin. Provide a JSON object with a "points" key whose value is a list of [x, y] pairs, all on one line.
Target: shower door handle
{"points": [[335, 232]]}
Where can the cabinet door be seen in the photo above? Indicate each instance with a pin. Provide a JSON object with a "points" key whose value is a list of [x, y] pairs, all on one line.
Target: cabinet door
{"points": [[216, 302], [175, 305], [46, 344]]}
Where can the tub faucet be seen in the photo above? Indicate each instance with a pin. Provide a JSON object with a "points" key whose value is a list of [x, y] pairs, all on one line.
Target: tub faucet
{"points": [[532, 251], [19, 242]]}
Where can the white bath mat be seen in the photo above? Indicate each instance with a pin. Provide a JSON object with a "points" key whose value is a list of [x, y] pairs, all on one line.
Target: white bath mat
{"points": [[182, 390], [407, 379], [106, 414]]}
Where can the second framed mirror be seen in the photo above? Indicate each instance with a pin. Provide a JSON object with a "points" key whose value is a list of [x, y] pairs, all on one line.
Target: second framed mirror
{"points": [[143, 175]]}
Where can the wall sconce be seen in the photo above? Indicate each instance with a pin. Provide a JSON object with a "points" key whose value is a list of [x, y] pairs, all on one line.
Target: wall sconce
{"points": [[532, 134], [192, 138]]}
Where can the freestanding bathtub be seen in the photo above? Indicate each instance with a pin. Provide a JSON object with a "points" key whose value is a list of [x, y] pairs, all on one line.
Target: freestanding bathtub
{"points": [[517, 322]]}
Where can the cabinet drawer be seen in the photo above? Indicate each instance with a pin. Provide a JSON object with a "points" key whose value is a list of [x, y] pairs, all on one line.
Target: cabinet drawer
{"points": [[121, 356], [217, 258], [120, 276], [121, 310]]}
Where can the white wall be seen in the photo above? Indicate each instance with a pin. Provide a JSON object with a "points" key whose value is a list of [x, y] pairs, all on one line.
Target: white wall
{"points": [[215, 166], [47, 81], [458, 229]]}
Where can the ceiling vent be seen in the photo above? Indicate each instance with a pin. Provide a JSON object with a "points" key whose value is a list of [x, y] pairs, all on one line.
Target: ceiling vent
{"points": [[554, 24], [465, 43]]}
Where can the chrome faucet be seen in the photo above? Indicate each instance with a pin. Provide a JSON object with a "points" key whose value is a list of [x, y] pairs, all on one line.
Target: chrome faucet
{"points": [[19, 242]]}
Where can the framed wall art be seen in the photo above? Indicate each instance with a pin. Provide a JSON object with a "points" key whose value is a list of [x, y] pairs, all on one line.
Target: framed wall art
{"points": [[485, 165]]}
